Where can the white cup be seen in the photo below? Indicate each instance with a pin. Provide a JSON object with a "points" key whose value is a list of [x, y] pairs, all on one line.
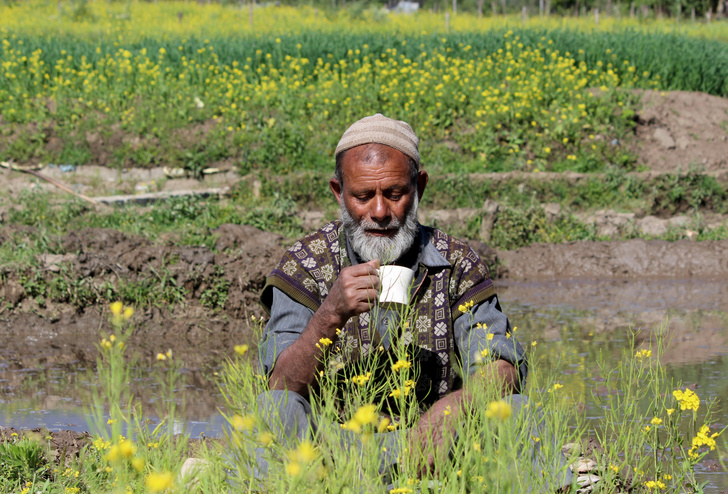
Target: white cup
{"points": [[395, 282]]}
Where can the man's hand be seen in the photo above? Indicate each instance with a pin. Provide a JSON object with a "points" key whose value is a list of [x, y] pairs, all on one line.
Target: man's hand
{"points": [[432, 436], [354, 292]]}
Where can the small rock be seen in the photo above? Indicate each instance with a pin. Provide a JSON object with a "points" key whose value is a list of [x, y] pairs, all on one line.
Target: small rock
{"points": [[583, 465], [571, 449], [691, 234], [683, 142], [190, 469], [663, 137], [490, 215], [587, 480], [651, 225], [53, 262], [13, 292], [552, 210]]}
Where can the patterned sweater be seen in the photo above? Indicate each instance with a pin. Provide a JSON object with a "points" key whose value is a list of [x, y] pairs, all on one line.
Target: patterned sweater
{"points": [[310, 267]]}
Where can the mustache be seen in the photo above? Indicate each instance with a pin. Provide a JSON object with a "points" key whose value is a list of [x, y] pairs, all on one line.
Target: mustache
{"points": [[386, 249]]}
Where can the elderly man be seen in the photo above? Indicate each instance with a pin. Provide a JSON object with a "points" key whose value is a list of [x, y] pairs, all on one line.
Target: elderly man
{"points": [[326, 285]]}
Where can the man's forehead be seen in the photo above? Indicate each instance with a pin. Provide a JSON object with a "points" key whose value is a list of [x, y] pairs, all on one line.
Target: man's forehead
{"points": [[376, 162]]}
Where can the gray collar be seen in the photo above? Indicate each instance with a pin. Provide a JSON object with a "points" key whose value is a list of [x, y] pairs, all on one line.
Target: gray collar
{"points": [[427, 254]]}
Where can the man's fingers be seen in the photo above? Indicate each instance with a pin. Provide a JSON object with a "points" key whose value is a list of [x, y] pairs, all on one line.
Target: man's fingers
{"points": [[362, 279], [374, 263], [365, 269]]}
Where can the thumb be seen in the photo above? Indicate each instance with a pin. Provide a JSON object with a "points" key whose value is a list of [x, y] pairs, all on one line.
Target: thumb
{"points": [[374, 263]]}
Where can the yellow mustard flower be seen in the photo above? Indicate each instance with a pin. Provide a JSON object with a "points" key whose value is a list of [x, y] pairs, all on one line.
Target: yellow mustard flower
{"points": [[159, 481], [500, 410]]}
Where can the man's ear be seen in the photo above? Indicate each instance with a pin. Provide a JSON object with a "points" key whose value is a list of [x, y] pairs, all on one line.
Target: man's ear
{"points": [[336, 189], [422, 179]]}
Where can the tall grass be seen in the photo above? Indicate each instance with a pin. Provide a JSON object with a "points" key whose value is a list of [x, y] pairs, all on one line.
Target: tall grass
{"points": [[653, 433]]}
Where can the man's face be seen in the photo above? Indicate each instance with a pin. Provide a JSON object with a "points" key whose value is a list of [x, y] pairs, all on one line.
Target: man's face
{"points": [[378, 201]]}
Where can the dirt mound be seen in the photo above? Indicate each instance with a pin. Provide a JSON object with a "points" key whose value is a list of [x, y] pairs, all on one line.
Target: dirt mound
{"points": [[631, 259], [682, 130], [210, 295], [105, 258]]}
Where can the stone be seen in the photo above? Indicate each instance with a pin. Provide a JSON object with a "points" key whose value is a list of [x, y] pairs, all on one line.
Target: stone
{"points": [[663, 137], [552, 210], [651, 225], [683, 142], [571, 449], [53, 262], [583, 465], [490, 216], [587, 480], [13, 292], [190, 469]]}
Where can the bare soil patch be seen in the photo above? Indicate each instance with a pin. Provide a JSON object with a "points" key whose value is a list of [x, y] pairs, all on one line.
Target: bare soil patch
{"points": [[61, 446], [57, 333], [632, 259], [681, 130]]}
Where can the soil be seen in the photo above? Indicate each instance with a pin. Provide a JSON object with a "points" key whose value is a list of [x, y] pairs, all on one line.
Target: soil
{"points": [[681, 130], [60, 446], [695, 122], [61, 334], [634, 259], [101, 256]]}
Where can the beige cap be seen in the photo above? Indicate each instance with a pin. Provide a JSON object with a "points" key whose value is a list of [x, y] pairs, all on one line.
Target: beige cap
{"points": [[379, 129]]}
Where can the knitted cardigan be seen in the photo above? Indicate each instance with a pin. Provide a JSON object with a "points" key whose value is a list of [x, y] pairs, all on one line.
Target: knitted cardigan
{"points": [[310, 267]]}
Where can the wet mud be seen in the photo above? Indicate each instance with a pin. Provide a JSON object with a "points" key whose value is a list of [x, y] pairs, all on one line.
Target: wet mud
{"points": [[51, 333]]}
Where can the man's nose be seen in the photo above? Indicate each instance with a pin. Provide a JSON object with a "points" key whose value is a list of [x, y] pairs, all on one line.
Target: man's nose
{"points": [[380, 211]]}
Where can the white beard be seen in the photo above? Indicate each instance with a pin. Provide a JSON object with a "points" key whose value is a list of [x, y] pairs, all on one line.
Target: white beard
{"points": [[386, 249]]}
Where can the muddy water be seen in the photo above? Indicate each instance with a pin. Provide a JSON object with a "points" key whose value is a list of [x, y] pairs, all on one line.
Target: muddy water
{"points": [[576, 321]]}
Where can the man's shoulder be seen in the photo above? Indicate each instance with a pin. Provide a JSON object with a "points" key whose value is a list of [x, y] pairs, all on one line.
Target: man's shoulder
{"points": [[453, 249], [307, 268], [328, 233]]}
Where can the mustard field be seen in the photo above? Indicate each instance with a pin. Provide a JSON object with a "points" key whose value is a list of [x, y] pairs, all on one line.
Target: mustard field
{"points": [[187, 85]]}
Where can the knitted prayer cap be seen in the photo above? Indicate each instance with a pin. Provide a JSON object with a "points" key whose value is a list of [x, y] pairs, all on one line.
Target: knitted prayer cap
{"points": [[379, 129]]}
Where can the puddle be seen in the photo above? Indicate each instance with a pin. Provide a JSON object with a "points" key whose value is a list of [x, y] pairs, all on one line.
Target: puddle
{"points": [[578, 322], [575, 321]]}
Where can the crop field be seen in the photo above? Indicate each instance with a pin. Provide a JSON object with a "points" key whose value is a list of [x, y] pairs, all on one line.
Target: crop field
{"points": [[558, 147]]}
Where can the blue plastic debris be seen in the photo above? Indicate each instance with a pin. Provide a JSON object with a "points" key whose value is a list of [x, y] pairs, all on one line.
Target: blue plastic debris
{"points": [[63, 168]]}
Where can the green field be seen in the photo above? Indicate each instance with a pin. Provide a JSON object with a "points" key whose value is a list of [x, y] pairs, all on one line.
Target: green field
{"points": [[191, 86]]}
